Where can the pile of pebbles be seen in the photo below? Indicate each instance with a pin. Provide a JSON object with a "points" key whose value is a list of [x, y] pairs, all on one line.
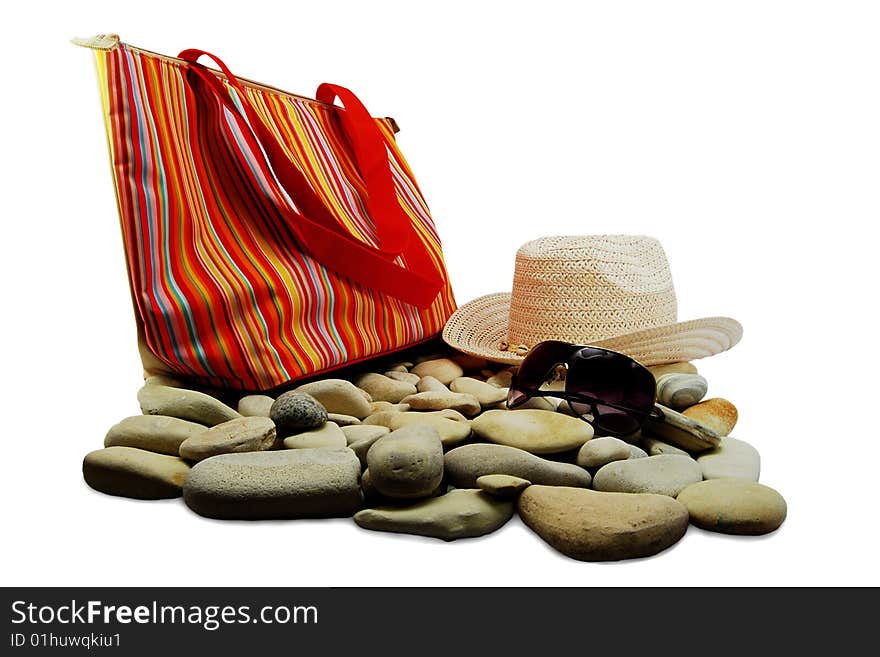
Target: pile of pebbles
{"points": [[428, 447]]}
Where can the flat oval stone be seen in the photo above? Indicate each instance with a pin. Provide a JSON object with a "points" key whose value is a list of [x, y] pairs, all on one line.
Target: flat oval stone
{"points": [[328, 435], [655, 447], [381, 388], [338, 396], [593, 526], [295, 412], [731, 459], [666, 474], [683, 431], [679, 391], [244, 434], [465, 464], [457, 514], [154, 433], [485, 394], [717, 414], [451, 432], [734, 506], [538, 432], [501, 485], [438, 401], [600, 451], [442, 369], [255, 405], [672, 368], [290, 483], [361, 437], [184, 404], [407, 463], [430, 384], [343, 420], [406, 377], [137, 473]]}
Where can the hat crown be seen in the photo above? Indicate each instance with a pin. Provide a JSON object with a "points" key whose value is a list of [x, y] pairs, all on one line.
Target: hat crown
{"points": [[588, 288]]}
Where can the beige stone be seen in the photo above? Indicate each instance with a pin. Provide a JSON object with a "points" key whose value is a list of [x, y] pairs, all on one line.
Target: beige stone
{"points": [[381, 388], [734, 506], [485, 394], [328, 436], [338, 396], [154, 433], [137, 473], [184, 404], [538, 432], [442, 369], [501, 485], [244, 434], [717, 414], [438, 401], [593, 526]]}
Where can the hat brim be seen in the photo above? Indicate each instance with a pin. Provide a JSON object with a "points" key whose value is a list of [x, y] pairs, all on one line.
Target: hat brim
{"points": [[478, 327]]}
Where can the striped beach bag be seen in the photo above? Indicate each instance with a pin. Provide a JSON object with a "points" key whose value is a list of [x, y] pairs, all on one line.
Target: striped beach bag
{"points": [[268, 236]]}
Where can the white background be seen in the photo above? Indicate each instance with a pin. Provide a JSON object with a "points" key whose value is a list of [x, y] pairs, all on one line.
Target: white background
{"points": [[745, 135]]}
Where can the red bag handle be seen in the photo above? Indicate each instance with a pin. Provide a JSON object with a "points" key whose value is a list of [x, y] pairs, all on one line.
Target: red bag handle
{"points": [[316, 228]]}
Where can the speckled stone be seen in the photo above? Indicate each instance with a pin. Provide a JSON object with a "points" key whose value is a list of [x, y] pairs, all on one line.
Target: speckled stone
{"points": [[154, 433], [717, 414], [734, 506], [501, 485], [679, 391], [381, 388], [288, 483], [538, 432], [137, 473], [667, 474], [184, 404], [255, 405], [338, 396], [327, 436], [244, 434], [465, 464], [295, 412], [731, 459], [457, 514], [593, 526]]}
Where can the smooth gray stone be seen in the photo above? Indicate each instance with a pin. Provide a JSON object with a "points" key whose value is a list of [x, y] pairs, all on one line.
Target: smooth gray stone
{"points": [[457, 514], [295, 412], [290, 483], [734, 506], [361, 437], [601, 451], [501, 485], [137, 473], [184, 404], [465, 464], [154, 433], [679, 391], [731, 459], [667, 474], [407, 463]]}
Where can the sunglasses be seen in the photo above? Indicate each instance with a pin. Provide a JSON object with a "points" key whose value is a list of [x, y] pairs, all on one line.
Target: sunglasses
{"points": [[612, 392]]}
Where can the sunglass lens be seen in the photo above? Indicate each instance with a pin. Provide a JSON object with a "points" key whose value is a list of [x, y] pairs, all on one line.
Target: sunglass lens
{"points": [[516, 397], [626, 387]]}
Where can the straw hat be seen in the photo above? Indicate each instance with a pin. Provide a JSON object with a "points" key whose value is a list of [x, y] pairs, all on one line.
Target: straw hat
{"points": [[611, 291]]}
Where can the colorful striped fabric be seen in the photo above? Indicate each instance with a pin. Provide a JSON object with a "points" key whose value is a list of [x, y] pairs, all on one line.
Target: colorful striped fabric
{"points": [[225, 295]]}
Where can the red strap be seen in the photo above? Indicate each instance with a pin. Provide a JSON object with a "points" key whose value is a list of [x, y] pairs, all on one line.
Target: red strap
{"points": [[316, 228]]}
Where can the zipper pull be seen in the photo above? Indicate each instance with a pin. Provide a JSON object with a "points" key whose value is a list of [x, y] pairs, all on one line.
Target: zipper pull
{"points": [[98, 42]]}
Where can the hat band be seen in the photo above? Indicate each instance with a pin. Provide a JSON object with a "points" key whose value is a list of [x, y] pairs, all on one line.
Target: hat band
{"points": [[518, 349]]}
